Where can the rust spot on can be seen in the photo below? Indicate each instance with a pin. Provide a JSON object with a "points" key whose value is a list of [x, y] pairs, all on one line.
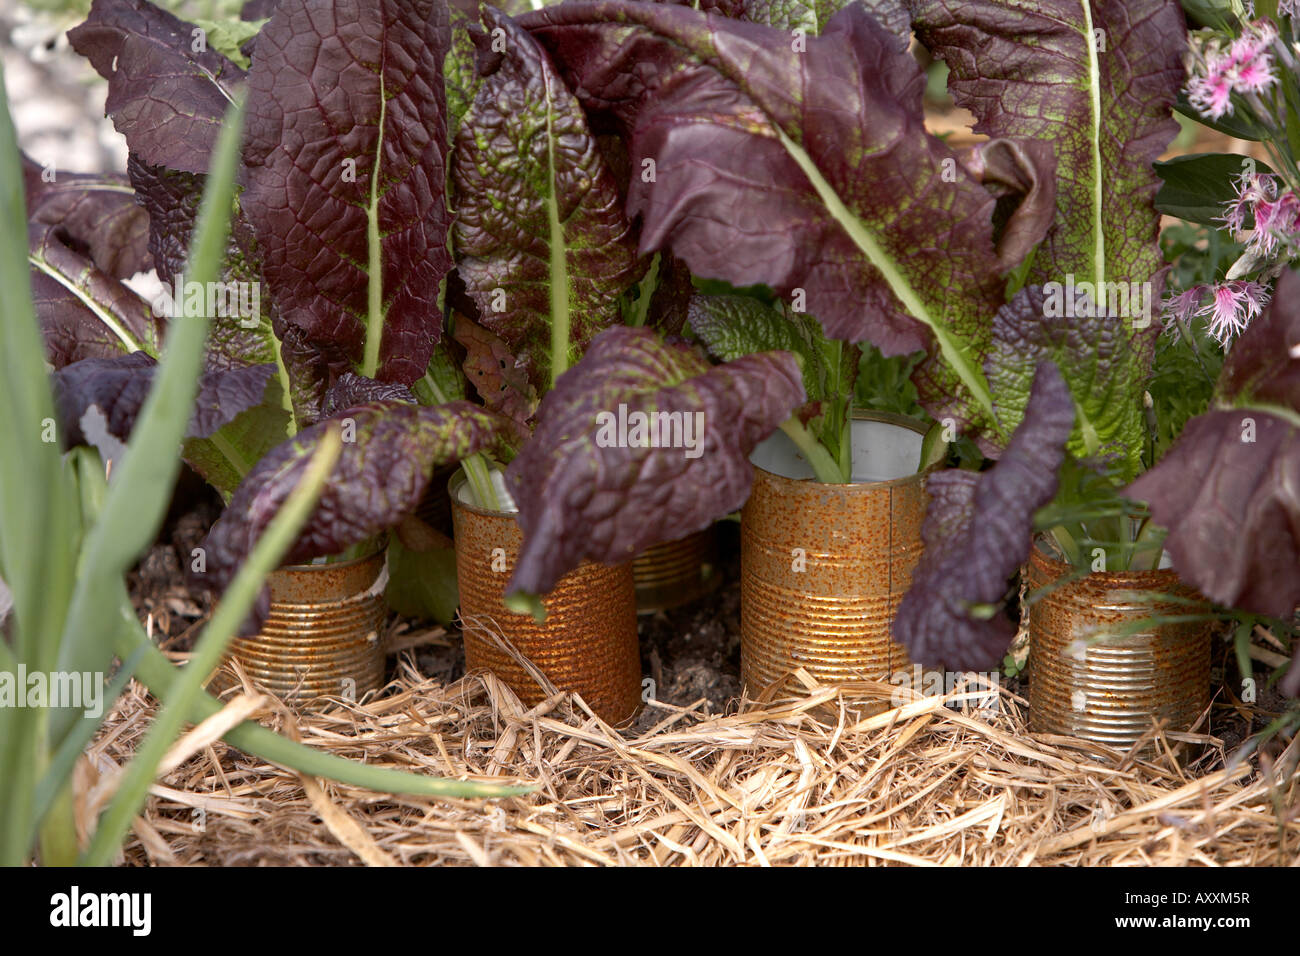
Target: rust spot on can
{"points": [[323, 631], [1109, 689], [677, 572], [588, 642], [823, 569]]}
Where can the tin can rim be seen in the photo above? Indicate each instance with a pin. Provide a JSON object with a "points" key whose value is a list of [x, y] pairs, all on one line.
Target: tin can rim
{"points": [[870, 415], [378, 552], [455, 483]]}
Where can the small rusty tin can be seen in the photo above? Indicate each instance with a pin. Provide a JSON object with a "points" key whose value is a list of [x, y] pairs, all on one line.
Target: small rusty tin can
{"points": [[322, 635], [1110, 689], [677, 572], [824, 566], [588, 642]]}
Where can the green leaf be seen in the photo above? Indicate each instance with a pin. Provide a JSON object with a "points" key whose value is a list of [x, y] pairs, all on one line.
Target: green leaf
{"points": [[1197, 186]]}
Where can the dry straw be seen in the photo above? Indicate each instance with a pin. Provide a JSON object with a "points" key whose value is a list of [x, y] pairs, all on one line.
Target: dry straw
{"points": [[813, 775]]}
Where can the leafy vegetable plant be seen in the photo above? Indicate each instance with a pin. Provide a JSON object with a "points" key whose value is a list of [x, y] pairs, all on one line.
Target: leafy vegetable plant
{"points": [[802, 162], [68, 533]]}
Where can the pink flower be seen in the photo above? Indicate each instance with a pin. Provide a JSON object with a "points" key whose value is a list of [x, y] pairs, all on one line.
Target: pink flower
{"points": [[1231, 307], [1211, 95], [1183, 306], [1274, 219], [1245, 67]]}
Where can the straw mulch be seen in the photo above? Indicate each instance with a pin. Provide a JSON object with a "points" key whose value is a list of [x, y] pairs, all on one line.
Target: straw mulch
{"points": [[816, 775]]}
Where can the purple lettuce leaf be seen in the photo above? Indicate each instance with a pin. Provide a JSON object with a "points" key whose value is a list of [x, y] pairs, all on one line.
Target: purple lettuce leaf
{"points": [[352, 390], [583, 497], [540, 233], [812, 16], [1097, 81], [379, 478], [83, 311], [1229, 488], [803, 170], [167, 99], [978, 530], [171, 198], [346, 132], [119, 386], [312, 368], [96, 216]]}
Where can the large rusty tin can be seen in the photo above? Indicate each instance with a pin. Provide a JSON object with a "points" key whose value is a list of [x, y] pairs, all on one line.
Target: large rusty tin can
{"points": [[824, 566], [588, 642], [677, 572], [322, 635], [1109, 688]]}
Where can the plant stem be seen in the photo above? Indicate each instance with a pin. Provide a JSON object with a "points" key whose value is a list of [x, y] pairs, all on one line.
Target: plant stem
{"points": [[159, 675], [479, 476], [375, 276], [823, 464], [476, 467], [235, 604]]}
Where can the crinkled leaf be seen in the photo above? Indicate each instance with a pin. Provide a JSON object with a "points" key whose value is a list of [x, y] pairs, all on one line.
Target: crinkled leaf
{"points": [[379, 478], [84, 312], [165, 98], [496, 374], [171, 199], [540, 235], [582, 496], [352, 390], [119, 386], [347, 120], [1229, 488], [1025, 335], [734, 325], [802, 170], [96, 216], [1097, 80], [812, 16], [978, 530]]}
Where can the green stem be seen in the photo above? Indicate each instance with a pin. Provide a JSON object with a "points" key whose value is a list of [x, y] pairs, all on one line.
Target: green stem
{"points": [[159, 675], [375, 278], [559, 265], [234, 607], [286, 396], [823, 464]]}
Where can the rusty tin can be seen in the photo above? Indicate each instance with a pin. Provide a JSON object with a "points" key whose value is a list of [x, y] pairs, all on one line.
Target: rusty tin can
{"points": [[824, 566], [322, 635], [677, 572], [1109, 689], [588, 642]]}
